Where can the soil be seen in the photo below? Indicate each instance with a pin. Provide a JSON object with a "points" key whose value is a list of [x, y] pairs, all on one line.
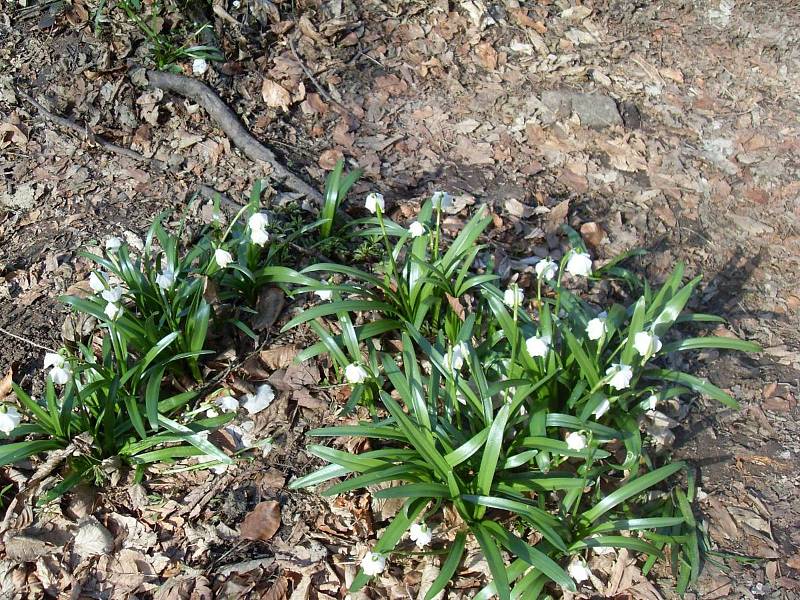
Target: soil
{"points": [[699, 164]]}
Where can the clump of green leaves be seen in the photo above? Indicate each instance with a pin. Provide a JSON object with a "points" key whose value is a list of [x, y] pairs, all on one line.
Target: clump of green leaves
{"points": [[524, 416], [110, 411]]}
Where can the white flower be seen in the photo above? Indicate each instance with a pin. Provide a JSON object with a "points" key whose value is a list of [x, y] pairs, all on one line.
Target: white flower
{"points": [[441, 200], [60, 370], [112, 310], [96, 283], [646, 343], [258, 228], [113, 294], [602, 408], [546, 269], [257, 402], [579, 264], [454, 360], [207, 458], [373, 563], [416, 229], [650, 404], [576, 441], [621, 376], [113, 244], [166, 278], [420, 534], [596, 328], [324, 294], [9, 419], [578, 570], [537, 345], [222, 257], [227, 403], [354, 373], [199, 66], [373, 201], [513, 296]]}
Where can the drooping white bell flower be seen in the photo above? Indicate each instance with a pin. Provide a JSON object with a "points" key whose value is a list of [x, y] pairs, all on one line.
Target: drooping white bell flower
{"points": [[199, 66], [324, 295], [227, 403], [416, 229], [602, 408], [596, 328], [9, 419], [255, 403], [513, 296], [454, 360], [650, 404], [113, 310], [166, 278], [646, 343], [579, 264], [60, 370], [546, 269], [373, 563], [113, 294], [441, 200], [222, 257], [354, 373], [575, 441], [537, 345], [373, 201], [579, 570], [96, 282], [113, 244], [420, 534], [258, 228], [621, 376]]}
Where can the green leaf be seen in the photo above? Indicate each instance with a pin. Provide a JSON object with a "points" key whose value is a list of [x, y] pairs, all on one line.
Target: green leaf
{"points": [[367, 431], [615, 541], [587, 365], [319, 476], [695, 383], [723, 343], [534, 557], [560, 447], [496, 564], [151, 396], [491, 456], [448, 567], [636, 326], [414, 490], [11, 453], [330, 308], [467, 449], [195, 439], [636, 524], [542, 520], [631, 489]]}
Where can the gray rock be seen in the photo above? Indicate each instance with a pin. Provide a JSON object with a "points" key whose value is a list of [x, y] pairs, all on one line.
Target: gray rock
{"points": [[594, 110]]}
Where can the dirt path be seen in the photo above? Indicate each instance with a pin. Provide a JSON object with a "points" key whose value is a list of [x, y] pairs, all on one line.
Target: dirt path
{"points": [[672, 125]]}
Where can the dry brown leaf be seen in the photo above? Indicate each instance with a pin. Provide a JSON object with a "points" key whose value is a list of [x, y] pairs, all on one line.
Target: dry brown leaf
{"points": [[278, 590], [5, 384], [262, 522], [329, 158], [269, 306], [487, 55], [278, 357], [456, 305], [275, 95], [13, 134], [556, 217], [593, 234]]}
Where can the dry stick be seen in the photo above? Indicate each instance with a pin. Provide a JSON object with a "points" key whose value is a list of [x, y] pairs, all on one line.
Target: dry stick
{"points": [[313, 79], [26, 341], [223, 116]]}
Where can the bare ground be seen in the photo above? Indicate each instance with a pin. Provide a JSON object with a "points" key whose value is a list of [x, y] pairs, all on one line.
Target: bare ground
{"points": [[702, 168]]}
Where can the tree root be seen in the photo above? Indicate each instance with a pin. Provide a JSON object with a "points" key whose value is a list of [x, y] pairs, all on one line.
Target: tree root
{"points": [[229, 122]]}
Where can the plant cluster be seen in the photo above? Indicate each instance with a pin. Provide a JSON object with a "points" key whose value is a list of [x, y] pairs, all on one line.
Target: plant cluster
{"points": [[516, 418], [521, 415]]}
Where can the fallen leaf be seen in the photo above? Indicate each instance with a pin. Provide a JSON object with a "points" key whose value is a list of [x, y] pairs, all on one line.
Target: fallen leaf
{"points": [[278, 590], [487, 55], [12, 133], [262, 522], [275, 95], [278, 357], [556, 217], [269, 306], [329, 158], [5, 384], [456, 305], [593, 233]]}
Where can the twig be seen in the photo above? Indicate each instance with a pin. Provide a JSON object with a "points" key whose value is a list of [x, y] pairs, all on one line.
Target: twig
{"points": [[313, 79], [229, 122], [24, 340]]}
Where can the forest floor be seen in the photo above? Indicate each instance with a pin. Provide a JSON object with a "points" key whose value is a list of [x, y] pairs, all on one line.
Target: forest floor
{"points": [[672, 126]]}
